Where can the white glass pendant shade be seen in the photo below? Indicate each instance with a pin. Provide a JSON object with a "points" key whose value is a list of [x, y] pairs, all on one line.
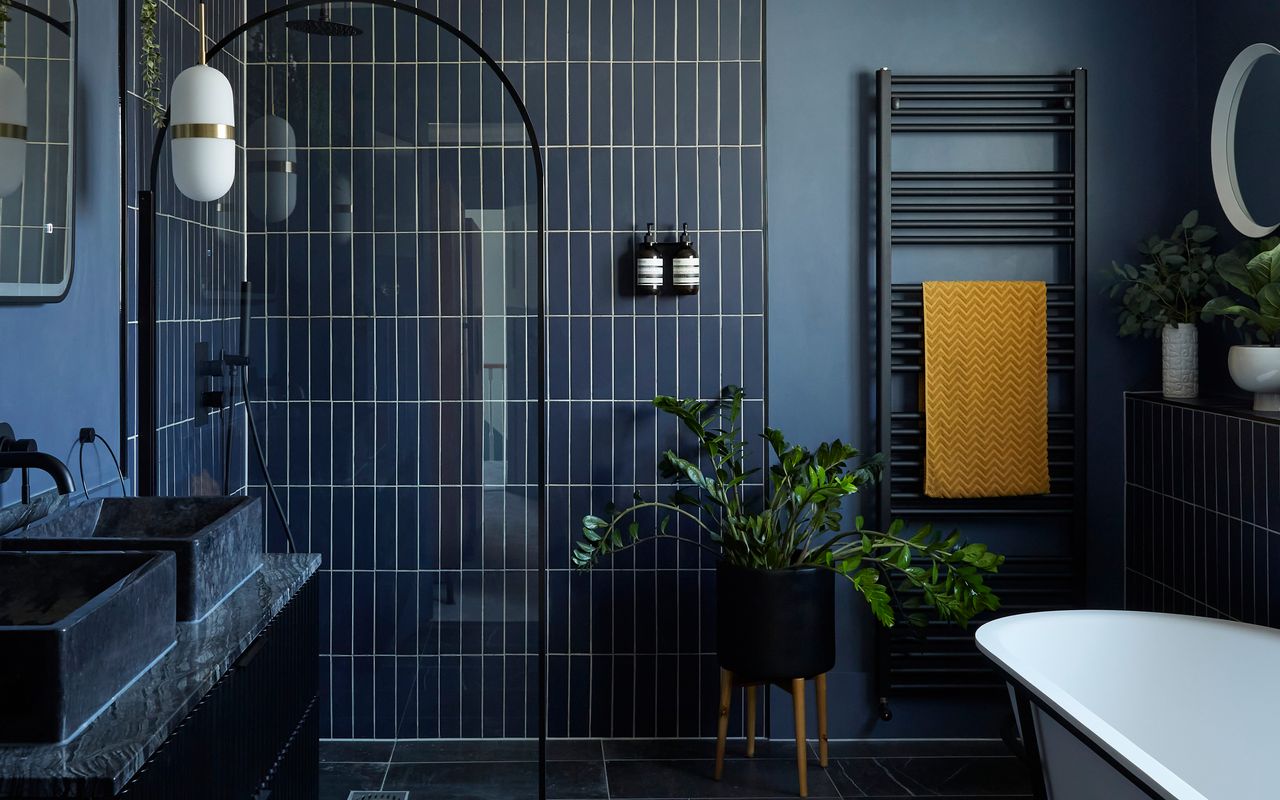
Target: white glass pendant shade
{"points": [[343, 222], [13, 131], [273, 175], [202, 132]]}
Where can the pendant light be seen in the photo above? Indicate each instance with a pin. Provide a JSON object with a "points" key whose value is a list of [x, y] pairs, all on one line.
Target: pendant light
{"points": [[13, 130], [202, 129], [343, 222], [273, 169], [273, 166]]}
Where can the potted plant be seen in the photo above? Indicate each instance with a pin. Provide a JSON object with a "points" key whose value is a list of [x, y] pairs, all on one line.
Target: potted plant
{"points": [[1254, 367], [1165, 294], [781, 547]]}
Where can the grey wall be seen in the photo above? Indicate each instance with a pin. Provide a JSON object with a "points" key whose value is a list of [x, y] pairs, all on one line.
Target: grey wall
{"points": [[60, 363], [821, 55]]}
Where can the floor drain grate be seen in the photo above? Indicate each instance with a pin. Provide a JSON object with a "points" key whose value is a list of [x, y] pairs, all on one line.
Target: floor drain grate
{"points": [[376, 795]]}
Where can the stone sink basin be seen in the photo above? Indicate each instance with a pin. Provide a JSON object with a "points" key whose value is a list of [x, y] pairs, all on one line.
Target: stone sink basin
{"points": [[76, 629], [217, 540]]}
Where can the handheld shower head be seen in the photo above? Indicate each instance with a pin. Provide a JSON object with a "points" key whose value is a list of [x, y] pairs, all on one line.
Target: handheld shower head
{"points": [[323, 25]]}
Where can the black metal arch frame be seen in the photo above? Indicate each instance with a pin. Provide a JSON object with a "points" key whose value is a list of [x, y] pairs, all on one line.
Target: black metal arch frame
{"points": [[147, 316], [53, 22]]}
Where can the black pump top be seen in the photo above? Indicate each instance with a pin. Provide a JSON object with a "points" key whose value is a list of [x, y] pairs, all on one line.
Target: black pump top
{"points": [[684, 234], [648, 236]]}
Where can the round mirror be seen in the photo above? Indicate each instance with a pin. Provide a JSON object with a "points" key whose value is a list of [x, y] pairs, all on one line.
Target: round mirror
{"points": [[1245, 119]]}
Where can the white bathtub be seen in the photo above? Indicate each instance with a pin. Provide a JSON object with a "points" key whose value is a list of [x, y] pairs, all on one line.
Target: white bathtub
{"points": [[1128, 704]]}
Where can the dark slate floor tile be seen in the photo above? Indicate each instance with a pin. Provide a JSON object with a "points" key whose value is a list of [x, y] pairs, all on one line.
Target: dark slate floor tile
{"points": [[865, 777], [354, 750], [575, 750], [576, 780], [451, 751], [917, 748], [692, 778], [337, 780], [466, 780], [673, 749], [495, 750], [988, 777]]}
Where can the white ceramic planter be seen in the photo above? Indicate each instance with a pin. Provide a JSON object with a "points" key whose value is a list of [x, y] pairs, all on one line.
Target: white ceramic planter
{"points": [[1179, 351], [1256, 368]]}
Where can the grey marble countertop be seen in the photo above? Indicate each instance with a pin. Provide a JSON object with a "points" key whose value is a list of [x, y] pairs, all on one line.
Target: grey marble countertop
{"points": [[102, 759]]}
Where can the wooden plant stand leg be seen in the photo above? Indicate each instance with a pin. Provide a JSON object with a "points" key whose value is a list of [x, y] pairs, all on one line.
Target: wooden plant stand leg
{"points": [[726, 694], [802, 761], [820, 686], [751, 721]]}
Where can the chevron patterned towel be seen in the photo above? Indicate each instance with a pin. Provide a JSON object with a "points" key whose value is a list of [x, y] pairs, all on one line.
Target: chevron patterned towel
{"points": [[986, 389]]}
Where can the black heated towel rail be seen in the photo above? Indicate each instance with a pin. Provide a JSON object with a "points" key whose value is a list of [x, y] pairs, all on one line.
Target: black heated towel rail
{"points": [[979, 213]]}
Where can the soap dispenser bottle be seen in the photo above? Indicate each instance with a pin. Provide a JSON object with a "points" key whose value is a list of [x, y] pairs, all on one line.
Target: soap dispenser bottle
{"points": [[649, 267], [685, 266]]}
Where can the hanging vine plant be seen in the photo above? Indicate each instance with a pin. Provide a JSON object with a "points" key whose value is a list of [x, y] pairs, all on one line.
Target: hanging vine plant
{"points": [[4, 19], [151, 61]]}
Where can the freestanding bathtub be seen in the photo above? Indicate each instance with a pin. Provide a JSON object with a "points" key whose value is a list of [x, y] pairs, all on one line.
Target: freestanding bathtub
{"points": [[1124, 705]]}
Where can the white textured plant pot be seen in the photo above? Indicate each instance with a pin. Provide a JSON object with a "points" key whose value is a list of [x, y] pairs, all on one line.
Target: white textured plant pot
{"points": [[1256, 368], [1180, 361]]}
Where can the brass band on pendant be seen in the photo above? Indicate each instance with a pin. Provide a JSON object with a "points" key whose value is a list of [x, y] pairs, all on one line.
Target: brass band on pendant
{"points": [[202, 130], [8, 130]]}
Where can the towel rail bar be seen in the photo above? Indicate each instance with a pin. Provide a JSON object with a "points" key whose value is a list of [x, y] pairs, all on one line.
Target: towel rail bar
{"points": [[983, 239], [981, 191], [976, 127], [999, 175], [916, 80], [994, 208]]}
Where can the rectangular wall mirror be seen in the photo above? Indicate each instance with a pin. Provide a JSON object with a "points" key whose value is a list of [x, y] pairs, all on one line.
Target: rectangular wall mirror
{"points": [[37, 124]]}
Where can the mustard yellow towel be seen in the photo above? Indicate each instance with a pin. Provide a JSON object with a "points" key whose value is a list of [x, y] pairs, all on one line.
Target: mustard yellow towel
{"points": [[986, 389]]}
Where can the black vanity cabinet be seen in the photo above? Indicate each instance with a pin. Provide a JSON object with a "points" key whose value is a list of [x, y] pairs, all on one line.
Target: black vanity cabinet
{"points": [[230, 712], [1202, 508]]}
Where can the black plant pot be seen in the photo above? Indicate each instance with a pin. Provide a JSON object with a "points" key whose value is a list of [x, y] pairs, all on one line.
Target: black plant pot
{"points": [[775, 624]]}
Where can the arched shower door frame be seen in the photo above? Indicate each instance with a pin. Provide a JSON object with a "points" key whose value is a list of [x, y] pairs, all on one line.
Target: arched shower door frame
{"points": [[147, 318]]}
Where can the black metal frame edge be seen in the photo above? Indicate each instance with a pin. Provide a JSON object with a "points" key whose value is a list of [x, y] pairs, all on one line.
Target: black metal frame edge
{"points": [[16, 300], [122, 45], [64, 26], [147, 378]]}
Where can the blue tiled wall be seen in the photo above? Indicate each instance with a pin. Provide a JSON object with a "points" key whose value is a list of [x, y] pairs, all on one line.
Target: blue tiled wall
{"points": [[377, 396], [199, 260]]}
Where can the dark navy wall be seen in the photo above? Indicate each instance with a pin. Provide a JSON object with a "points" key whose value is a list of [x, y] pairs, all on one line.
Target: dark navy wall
{"points": [[60, 363], [1142, 142]]}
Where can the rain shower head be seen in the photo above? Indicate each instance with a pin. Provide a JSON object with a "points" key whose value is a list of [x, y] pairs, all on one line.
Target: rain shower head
{"points": [[323, 25]]}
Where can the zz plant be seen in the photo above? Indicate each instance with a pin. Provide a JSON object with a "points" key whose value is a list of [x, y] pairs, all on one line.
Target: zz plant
{"points": [[1258, 279], [1171, 285], [796, 520]]}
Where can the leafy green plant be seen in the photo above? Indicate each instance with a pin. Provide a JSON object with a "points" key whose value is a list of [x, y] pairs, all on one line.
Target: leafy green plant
{"points": [[796, 521], [150, 59], [1176, 278], [1258, 279]]}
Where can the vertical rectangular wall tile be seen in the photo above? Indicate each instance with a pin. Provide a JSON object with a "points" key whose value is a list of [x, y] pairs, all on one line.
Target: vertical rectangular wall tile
{"points": [[380, 433], [1201, 512]]}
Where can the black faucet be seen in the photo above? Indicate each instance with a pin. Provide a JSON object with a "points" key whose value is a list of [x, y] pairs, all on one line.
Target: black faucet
{"points": [[22, 454]]}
